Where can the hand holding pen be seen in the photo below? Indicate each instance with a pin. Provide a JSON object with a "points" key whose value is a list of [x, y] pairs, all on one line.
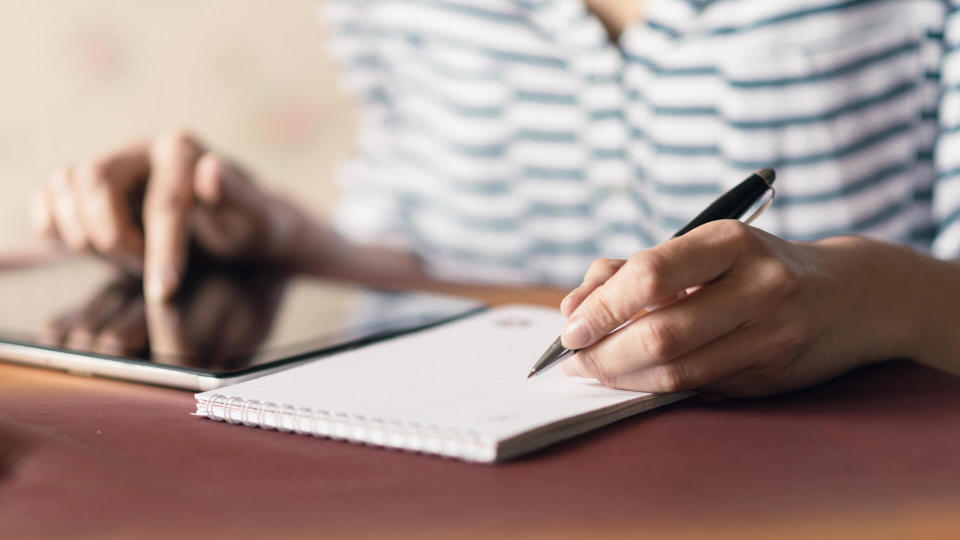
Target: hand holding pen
{"points": [[761, 317]]}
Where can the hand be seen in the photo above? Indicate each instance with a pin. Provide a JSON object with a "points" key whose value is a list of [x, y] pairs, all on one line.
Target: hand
{"points": [[217, 321], [731, 309], [139, 207]]}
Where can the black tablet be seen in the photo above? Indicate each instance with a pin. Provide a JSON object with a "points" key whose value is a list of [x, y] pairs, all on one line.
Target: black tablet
{"points": [[225, 325]]}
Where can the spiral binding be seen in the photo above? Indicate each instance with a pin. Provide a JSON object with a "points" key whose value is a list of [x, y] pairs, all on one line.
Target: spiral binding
{"points": [[388, 433]]}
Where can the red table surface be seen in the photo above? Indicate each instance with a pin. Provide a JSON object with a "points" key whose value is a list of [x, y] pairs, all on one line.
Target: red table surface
{"points": [[875, 453]]}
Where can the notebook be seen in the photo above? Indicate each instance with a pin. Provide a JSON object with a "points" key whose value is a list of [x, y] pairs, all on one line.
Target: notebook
{"points": [[458, 390]]}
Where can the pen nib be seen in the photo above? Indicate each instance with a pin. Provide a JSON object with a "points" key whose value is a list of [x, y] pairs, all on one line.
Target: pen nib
{"points": [[554, 353]]}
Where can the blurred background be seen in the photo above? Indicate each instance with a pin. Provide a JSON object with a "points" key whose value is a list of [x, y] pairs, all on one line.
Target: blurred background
{"points": [[251, 77]]}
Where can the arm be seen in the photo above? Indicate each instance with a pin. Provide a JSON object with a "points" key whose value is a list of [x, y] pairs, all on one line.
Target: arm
{"points": [[321, 252], [140, 206], [763, 315]]}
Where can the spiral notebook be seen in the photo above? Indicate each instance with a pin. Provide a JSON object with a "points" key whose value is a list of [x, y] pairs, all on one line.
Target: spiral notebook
{"points": [[458, 390]]}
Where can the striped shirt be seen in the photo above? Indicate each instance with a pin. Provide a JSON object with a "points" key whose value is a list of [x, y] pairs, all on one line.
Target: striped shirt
{"points": [[512, 141]]}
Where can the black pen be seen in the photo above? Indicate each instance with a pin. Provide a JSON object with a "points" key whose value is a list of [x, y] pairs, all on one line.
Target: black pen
{"points": [[731, 205]]}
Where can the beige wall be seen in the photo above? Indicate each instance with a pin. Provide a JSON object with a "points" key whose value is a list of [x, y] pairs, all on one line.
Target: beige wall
{"points": [[251, 76]]}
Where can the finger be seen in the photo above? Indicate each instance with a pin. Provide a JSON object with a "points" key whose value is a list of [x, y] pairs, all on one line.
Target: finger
{"points": [[236, 218], [167, 206], [166, 333], [666, 334], [103, 192], [127, 168], [649, 276], [210, 178], [126, 333], [569, 367], [229, 208], [598, 273], [63, 204], [41, 216], [112, 231], [712, 362]]}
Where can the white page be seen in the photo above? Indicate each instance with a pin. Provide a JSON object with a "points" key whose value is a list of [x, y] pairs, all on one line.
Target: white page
{"points": [[466, 377]]}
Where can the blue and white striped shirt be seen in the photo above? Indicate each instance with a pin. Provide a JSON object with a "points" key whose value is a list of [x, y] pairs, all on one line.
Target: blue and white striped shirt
{"points": [[510, 140]]}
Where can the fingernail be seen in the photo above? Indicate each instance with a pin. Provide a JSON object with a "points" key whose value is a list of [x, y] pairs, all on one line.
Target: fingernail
{"points": [[160, 285], [575, 335]]}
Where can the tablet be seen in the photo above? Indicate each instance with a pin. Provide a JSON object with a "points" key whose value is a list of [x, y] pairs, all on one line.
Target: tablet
{"points": [[224, 325]]}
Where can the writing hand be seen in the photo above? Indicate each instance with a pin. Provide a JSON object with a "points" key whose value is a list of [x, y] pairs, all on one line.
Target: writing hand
{"points": [[762, 316]]}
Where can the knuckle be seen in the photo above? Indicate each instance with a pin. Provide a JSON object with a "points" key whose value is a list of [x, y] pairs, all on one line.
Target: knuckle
{"points": [[77, 243], [213, 162], [174, 143], [606, 309], [598, 266], [657, 339], [647, 273], [599, 371], [601, 269], [91, 175], [172, 202], [671, 378], [164, 198], [735, 235], [611, 265], [107, 240], [778, 279], [792, 336], [732, 230]]}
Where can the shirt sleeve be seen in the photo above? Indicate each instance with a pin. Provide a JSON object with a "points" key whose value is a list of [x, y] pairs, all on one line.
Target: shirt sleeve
{"points": [[946, 190], [370, 209]]}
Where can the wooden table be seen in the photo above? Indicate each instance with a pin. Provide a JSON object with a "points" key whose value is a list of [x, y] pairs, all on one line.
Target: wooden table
{"points": [[873, 454]]}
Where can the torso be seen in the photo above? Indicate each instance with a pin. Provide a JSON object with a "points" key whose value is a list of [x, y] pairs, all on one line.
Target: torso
{"points": [[515, 142]]}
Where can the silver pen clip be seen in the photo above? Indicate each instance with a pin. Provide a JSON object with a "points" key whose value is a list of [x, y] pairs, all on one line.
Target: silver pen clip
{"points": [[761, 205]]}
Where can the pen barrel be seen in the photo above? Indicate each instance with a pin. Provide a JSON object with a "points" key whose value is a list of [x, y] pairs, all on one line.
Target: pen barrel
{"points": [[732, 204]]}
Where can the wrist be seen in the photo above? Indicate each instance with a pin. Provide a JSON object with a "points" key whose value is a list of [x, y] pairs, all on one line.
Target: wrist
{"points": [[886, 289], [295, 241]]}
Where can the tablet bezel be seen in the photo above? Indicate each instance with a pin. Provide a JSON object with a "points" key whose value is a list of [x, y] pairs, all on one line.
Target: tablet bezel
{"points": [[188, 378]]}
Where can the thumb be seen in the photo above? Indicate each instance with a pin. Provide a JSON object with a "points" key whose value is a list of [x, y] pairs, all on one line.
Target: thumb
{"points": [[230, 217], [221, 184]]}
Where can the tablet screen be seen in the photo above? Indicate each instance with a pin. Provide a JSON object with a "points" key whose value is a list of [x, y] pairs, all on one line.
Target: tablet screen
{"points": [[222, 322]]}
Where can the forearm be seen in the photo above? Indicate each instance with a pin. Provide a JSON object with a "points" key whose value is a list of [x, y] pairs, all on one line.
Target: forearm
{"points": [[936, 307], [905, 304], [317, 249]]}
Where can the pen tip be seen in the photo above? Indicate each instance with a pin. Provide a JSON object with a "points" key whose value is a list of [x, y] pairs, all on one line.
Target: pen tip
{"points": [[532, 373], [768, 175]]}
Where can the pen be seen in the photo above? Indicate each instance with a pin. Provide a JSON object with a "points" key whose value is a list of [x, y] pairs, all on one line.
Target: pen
{"points": [[731, 205]]}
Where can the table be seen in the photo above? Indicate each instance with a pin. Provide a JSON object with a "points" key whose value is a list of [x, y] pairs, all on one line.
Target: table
{"points": [[873, 454]]}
